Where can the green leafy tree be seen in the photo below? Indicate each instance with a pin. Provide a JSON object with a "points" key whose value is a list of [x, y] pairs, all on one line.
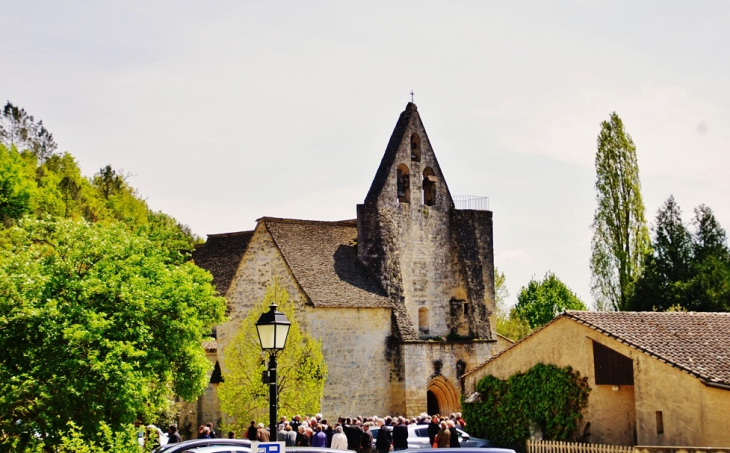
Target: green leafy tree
{"points": [[540, 301], [17, 187], [301, 368], [687, 270], [709, 289], [667, 267], [620, 236], [509, 323], [100, 324]]}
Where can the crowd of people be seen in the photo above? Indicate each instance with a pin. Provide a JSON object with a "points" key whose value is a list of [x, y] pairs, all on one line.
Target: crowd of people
{"points": [[356, 433]]}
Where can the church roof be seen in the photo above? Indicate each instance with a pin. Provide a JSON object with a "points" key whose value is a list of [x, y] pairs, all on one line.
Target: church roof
{"points": [[220, 256], [322, 257]]}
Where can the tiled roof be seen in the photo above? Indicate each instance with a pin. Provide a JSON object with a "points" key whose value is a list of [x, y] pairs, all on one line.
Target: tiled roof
{"points": [[698, 343], [220, 255], [323, 258]]}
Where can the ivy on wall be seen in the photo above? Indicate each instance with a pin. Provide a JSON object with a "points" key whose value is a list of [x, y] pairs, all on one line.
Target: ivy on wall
{"points": [[550, 397]]}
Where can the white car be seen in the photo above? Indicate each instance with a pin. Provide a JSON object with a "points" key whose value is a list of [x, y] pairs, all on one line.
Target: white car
{"points": [[219, 449], [418, 438]]}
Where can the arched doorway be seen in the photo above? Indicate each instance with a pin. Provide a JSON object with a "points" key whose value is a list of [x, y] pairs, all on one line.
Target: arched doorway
{"points": [[445, 396]]}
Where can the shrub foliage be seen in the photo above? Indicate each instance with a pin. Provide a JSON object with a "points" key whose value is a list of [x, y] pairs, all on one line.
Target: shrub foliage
{"points": [[550, 397]]}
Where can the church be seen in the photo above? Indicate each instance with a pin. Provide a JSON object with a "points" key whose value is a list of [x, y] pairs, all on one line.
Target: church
{"points": [[402, 297]]}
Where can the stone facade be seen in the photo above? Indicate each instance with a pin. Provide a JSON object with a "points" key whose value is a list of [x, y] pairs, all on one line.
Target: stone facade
{"points": [[402, 298]]}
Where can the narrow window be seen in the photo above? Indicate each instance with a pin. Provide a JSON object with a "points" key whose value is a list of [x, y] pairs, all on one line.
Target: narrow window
{"points": [[429, 187], [460, 368], [415, 148], [659, 423], [466, 308], [403, 182], [423, 320]]}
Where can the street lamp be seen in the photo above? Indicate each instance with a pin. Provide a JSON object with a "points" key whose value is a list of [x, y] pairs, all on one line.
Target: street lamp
{"points": [[273, 328]]}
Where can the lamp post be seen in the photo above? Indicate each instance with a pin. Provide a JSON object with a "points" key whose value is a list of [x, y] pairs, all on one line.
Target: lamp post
{"points": [[273, 328]]}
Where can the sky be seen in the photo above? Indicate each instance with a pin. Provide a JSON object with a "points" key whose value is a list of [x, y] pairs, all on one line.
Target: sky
{"points": [[225, 112]]}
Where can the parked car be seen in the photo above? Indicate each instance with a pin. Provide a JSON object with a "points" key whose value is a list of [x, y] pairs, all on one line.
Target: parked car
{"points": [[197, 443], [418, 438], [219, 449], [460, 450], [231, 446]]}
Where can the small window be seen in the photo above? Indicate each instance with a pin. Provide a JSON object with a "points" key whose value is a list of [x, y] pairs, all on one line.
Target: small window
{"points": [[415, 148], [460, 369], [659, 423], [429, 187], [423, 320], [403, 183], [466, 308]]}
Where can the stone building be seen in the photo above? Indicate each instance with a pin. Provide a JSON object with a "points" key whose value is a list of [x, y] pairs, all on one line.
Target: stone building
{"points": [[656, 379], [402, 297]]}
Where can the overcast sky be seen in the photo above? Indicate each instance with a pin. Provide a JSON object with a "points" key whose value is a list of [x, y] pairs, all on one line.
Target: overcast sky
{"points": [[225, 112]]}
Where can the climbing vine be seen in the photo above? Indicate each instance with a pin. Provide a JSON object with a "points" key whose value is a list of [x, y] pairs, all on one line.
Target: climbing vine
{"points": [[550, 397]]}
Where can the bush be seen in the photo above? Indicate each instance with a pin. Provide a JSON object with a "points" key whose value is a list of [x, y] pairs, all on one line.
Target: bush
{"points": [[550, 397]]}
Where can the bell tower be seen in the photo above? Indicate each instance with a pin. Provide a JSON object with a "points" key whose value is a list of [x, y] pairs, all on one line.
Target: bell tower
{"points": [[408, 236]]}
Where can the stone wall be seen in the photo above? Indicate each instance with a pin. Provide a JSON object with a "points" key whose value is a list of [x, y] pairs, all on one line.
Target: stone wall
{"points": [[420, 370], [206, 409], [259, 267], [353, 344]]}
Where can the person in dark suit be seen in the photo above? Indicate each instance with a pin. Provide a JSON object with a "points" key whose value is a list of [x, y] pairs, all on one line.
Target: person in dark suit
{"points": [[385, 438], [433, 429], [400, 435]]}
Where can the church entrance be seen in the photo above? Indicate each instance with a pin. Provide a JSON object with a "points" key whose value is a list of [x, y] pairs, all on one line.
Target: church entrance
{"points": [[432, 403], [441, 397]]}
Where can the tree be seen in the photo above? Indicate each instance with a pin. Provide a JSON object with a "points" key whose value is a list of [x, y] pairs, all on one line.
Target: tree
{"points": [[620, 236], [99, 324], [667, 267], [301, 368], [109, 181], [509, 323], [687, 270], [19, 129], [17, 186], [540, 302]]}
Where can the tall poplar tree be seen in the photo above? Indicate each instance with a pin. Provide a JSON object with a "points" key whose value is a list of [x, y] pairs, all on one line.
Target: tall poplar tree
{"points": [[620, 236]]}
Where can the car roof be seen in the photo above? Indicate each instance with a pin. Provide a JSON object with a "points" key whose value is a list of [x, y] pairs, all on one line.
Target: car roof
{"points": [[315, 449], [218, 448], [196, 443], [459, 450]]}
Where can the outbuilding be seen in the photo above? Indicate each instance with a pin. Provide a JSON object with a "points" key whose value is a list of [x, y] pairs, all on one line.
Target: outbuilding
{"points": [[656, 378]]}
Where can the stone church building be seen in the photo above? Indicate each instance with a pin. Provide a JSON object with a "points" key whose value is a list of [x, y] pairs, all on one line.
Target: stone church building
{"points": [[402, 297]]}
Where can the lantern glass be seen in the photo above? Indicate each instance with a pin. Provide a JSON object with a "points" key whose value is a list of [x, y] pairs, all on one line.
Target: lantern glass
{"points": [[266, 335], [282, 331]]}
